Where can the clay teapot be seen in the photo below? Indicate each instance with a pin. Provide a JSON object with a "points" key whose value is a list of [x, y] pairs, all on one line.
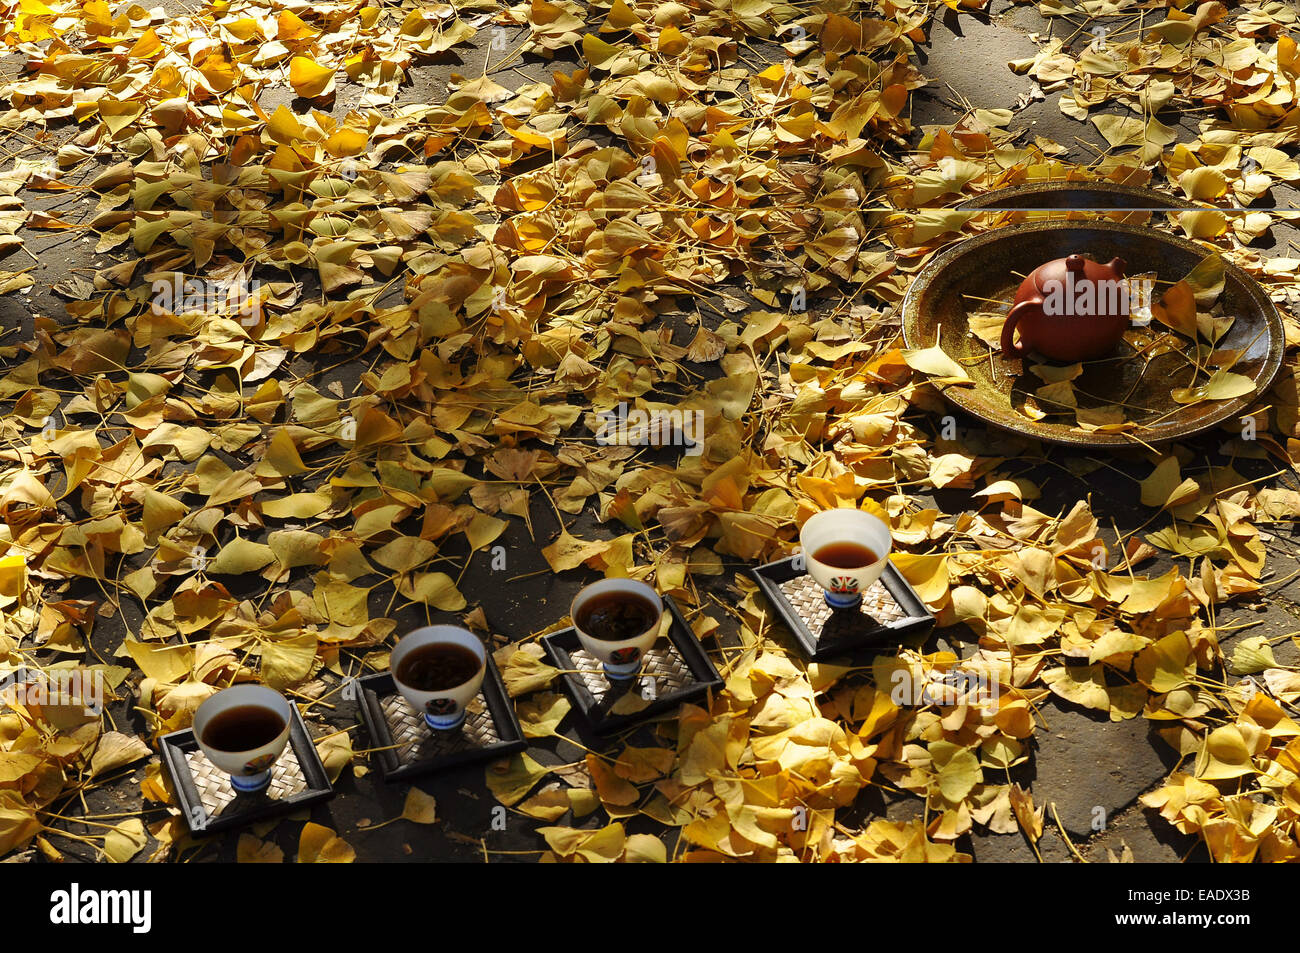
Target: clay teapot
{"points": [[1069, 309]]}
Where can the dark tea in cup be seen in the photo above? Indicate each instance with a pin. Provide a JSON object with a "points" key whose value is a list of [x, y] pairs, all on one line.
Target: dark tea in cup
{"points": [[437, 667], [617, 621], [616, 616], [846, 551], [243, 728], [845, 555], [439, 670]]}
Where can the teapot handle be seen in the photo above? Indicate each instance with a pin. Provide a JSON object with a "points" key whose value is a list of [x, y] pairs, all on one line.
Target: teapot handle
{"points": [[1010, 347]]}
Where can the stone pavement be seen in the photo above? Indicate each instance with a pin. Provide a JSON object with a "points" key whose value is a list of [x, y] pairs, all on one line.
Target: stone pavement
{"points": [[1090, 769]]}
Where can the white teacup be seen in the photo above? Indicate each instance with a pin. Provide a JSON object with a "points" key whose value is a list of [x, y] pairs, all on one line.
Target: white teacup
{"points": [[844, 586], [443, 710], [621, 659], [249, 770]]}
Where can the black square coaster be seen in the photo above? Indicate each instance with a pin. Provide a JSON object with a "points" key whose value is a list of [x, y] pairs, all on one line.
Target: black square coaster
{"points": [[406, 746], [889, 613], [212, 805], [676, 670]]}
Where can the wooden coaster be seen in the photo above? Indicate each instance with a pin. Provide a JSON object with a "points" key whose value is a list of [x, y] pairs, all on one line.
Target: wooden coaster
{"points": [[890, 611], [210, 802], [407, 746], [675, 669]]}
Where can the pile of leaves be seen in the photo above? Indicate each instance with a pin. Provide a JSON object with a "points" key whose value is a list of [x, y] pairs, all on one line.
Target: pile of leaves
{"points": [[703, 207]]}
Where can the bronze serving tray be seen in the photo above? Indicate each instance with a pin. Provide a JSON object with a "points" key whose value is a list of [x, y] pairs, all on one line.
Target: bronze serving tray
{"points": [[934, 309], [1077, 199]]}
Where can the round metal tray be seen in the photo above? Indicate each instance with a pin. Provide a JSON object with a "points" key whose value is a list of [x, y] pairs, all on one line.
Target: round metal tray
{"points": [[1086, 198], [934, 309]]}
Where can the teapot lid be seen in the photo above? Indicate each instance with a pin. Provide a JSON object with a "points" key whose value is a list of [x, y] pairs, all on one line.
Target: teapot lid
{"points": [[1057, 270]]}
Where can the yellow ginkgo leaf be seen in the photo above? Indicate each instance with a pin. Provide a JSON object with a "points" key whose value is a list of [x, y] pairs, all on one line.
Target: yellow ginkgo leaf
{"points": [[958, 775], [1207, 224], [1177, 309], [1251, 656], [1166, 664], [241, 556], [1222, 385], [1166, 488], [1224, 755], [124, 841], [282, 457], [309, 79], [321, 845], [420, 808], [250, 850], [935, 362], [511, 778], [433, 588], [1204, 184], [346, 141]]}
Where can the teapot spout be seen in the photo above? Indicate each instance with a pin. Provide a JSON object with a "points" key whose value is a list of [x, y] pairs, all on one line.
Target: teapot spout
{"points": [[1117, 265]]}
